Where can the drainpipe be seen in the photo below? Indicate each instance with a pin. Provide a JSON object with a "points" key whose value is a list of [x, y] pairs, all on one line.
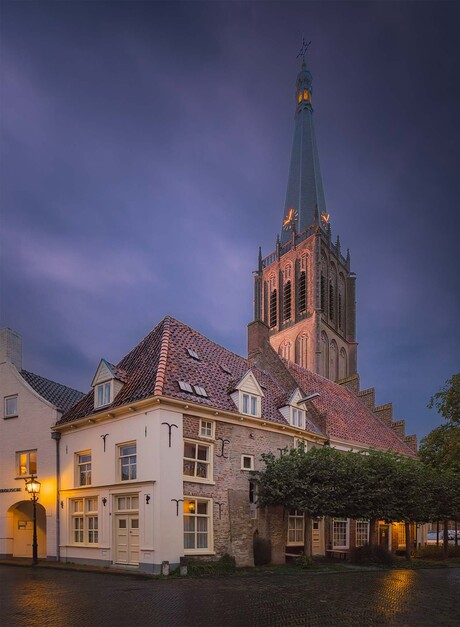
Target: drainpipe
{"points": [[56, 436]]}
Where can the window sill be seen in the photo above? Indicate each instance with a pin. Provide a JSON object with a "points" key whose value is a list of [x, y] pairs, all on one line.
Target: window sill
{"points": [[81, 545], [12, 416], [198, 552]]}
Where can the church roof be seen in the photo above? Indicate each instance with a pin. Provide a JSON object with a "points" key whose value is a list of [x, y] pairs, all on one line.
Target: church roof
{"points": [[57, 394], [174, 352], [304, 194]]}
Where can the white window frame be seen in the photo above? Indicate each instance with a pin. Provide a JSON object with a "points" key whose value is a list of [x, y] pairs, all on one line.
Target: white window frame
{"points": [[340, 521], [209, 549], [120, 459], [84, 521], [107, 394], [208, 463], [83, 466], [362, 538], [204, 431], [8, 413], [298, 443], [250, 404], [251, 462], [296, 528], [28, 472], [297, 416]]}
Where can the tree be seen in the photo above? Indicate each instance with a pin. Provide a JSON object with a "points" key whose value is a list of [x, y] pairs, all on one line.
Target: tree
{"points": [[447, 400]]}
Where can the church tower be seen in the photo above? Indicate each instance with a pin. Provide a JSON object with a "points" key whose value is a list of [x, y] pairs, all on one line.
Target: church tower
{"points": [[305, 291]]}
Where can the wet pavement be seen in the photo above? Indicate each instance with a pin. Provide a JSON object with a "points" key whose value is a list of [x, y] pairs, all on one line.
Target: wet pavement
{"points": [[53, 598]]}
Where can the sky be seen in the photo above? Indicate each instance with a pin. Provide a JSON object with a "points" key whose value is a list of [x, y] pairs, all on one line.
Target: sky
{"points": [[144, 157]]}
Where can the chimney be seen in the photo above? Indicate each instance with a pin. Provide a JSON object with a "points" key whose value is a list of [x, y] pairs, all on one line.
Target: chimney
{"points": [[257, 338], [11, 347]]}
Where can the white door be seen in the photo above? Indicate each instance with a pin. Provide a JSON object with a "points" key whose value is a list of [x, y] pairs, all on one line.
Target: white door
{"points": [[127, 536], [317, 536]]}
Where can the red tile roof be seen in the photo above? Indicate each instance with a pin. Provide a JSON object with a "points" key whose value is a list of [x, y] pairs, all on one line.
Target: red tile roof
{"points": [[345, 416], [161, 360]]}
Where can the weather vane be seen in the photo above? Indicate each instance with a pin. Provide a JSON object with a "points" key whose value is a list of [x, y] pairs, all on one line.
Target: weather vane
{"points": [[304, 48]]}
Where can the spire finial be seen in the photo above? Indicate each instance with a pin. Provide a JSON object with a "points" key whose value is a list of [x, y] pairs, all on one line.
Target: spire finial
{"points": [[303, 49]]}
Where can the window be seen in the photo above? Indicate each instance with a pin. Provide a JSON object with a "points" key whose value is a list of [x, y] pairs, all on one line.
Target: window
{"points": [[197, 460], [127, 458], [103, 394], [11, 406], [200, 391], [206, 429], [273, 297], [287, 301], [84, 468], [249, 404], [297, 417], [340, 533], [252, 492], [85, 523], [197, 525], [362, 532], [193, 354], [340, 312], [185, 387], [295, 527], [299, 97], [331, 302], [302, 292], [26, 463], [127, 503], [301, 443], [247, 462]]}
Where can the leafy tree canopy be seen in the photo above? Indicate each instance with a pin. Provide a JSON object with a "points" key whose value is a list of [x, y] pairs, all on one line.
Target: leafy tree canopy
{"points": [[447, 400]]}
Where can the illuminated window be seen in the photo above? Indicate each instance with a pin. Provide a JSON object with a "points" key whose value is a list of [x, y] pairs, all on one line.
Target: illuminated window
{"points": [[197, 525], [362, 532], [84, 468], [127, 461], [85, 521], [299, 97], [340, 533], [26, 463], [103, 394], [295, 528], [305, 94], [197, 461], [10, 406], [247, 462], [206, 429]]}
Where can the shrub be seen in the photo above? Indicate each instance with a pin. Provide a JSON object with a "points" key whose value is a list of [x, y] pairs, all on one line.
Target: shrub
{"points": [[433, 552], [371, 555], [304, 561], [200, 568], [262, 551]]}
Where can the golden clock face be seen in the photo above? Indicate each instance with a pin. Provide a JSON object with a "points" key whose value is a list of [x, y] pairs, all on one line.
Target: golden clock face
{"points": [[325, 217], [290, 218]]}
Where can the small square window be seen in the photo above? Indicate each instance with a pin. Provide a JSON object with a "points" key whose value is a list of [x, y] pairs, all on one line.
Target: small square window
{"points": [[26, 463], [247, 462], [11, 406], [206, 429]]}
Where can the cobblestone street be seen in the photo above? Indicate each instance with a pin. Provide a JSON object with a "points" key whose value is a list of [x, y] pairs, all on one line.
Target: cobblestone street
{"points": [[51, 598]]}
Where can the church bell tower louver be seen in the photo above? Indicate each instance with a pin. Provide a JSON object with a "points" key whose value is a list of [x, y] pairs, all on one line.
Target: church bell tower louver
{"points": [[305, 291]]}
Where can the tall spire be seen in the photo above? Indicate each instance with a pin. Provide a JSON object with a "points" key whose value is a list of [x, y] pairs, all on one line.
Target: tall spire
{"points": [[305, 186]]}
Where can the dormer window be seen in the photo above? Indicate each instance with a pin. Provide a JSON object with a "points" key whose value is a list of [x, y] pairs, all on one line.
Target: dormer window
{"points": [[297, 418], [103, 394], [248, 395], [249, 404]]}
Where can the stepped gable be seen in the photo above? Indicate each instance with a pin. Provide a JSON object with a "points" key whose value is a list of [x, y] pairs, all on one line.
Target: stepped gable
{"points": [[162, 359], [57, 394], [345, 416]]}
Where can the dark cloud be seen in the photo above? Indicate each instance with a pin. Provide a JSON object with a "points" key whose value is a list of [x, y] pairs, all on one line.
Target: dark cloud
{"points": [[145, 149]]}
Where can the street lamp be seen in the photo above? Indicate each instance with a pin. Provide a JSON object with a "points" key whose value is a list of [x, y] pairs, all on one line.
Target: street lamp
{"points": [[33, 488]]}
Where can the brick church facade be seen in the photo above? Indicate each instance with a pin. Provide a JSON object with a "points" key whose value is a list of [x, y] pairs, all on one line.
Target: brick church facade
{"points": [[154, 462]]}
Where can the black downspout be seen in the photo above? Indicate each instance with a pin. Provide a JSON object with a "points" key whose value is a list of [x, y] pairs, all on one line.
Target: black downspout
{"points": [[57, 438]]}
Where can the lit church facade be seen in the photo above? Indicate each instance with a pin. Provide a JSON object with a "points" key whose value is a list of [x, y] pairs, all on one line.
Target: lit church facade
{"points": [[154, 463]]}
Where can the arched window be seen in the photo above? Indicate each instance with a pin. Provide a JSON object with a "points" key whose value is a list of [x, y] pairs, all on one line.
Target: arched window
{"points": [[333, 361], [341, 303], [285, 350], [332, 293], [302, 288], [343, 370], [287, 301], [273, 297], [331, 301], [287, 272], [265, 302], [299, 97], [324, 363], [305, 94], [301, 350]]}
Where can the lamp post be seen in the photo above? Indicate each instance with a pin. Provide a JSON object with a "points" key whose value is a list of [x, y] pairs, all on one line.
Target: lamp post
{"points": [[33, 488]]}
